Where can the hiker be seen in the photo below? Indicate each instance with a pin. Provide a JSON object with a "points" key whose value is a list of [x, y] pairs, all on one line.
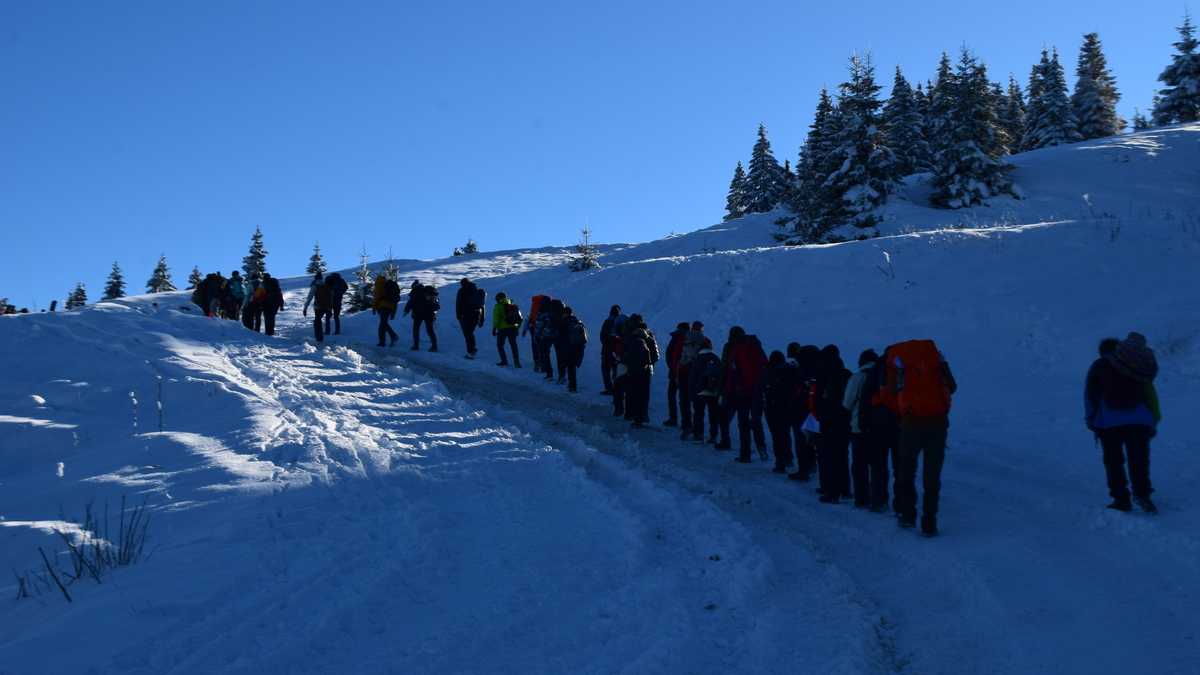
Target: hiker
{"points": [[870, 424], [322, 295], [693, 342], [237, 295], [506, 321], [272, 302], [920, 387], [423, 304], [779, 388], [386, 297], [704, 384], [337, 290], [318, 280], [468, 309], [803, 360], [674, 353], [615, 352], [573, 338], [252, 312], [1121, 408], [742, 389], [608, 363], [640, 355], [530, 329], [833, 441], [549, 316]]}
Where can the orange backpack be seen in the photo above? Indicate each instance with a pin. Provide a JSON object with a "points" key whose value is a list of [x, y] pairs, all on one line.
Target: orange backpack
{"points": [[916, 377]]}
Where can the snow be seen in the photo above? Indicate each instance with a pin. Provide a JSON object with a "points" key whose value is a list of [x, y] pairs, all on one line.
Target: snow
{"points": [[346, 508]]}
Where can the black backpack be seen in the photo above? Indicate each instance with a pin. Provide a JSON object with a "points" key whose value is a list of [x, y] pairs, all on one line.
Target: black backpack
{"points": [[577, 333], [432, 302], [337, 284], [391, 291], [512, 314], [480, 298]]}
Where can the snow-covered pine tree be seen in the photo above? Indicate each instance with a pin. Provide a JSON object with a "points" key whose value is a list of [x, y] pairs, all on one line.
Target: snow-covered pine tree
{"points": [[115, 286], [1095, 97], [789, 183], [316, 262], [77, 297], [865, 170], [585, 257], [1049, 120], [255, 263], [160, 279], [1140, 123], [390, 269], [811, 203], [735, 199], [1011, 117], [969, 168], [1179, 101], [764, 181], [194, 278], [362, 295], [470, 247], [938, 117], [904, 126]]}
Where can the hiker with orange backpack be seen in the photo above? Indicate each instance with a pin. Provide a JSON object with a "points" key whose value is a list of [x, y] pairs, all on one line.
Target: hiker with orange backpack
{"points": [[920, 386], [385, 299]]}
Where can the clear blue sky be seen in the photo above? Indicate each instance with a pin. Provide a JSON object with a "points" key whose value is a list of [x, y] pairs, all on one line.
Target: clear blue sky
{"points": [[130, 129]]}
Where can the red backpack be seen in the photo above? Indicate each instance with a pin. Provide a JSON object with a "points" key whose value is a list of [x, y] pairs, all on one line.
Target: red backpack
{"points": [[917, 377]]}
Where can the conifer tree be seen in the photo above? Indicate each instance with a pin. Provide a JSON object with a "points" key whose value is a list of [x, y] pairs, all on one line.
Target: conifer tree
{"points": [[735, 199], [115, 286], [470, 247], [1049, 119], [904, 125], [160, 279], [811, 201], [255, 263], [1011, 117], [390, 269], [195, 278], [316, 262], [1179, 101], [764, 181], [938, 119], [362, 296], [1140, 123], [1095, 97], [77, 298], [969, 169], [586, 256]]}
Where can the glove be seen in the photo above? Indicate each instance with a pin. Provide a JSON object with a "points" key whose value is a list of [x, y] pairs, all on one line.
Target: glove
{"points": [[304, 313]]}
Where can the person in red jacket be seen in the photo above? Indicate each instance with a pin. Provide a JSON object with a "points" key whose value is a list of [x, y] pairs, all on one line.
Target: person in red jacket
{"points": [[674, 352], [745, 364], [535, 307]]}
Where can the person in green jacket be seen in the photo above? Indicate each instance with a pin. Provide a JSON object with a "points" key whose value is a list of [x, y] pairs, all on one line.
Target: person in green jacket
{"points": [[506, 321]]}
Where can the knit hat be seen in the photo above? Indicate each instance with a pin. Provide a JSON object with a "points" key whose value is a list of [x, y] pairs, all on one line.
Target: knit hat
{"points": [[1135, 359]]}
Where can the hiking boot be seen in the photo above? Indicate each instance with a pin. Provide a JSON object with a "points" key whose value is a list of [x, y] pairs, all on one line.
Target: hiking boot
{"points": [[828, 499], [1145, 504], [929, 526], [1121, 505], [671, 423], [638, 424], [799, 476], [516, 364], [723, 446]]}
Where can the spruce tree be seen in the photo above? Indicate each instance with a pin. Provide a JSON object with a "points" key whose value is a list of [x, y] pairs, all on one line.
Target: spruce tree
{"points": [[735, 199], [1011, 117], [1049, 120], [115, 286], [316, 263], [864, 169], [586, 256], [255, 263], [764, 181], [969, 169], [470, 247], [160, 279], [390, 269], [904, 125], [1095, 98], [1179, 101], [939, 117], [195, 278], [77, 298], [812, 203], [1140, 123], [362, 296]]}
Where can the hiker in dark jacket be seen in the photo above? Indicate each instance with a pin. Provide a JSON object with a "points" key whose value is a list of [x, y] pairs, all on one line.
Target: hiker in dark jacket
{"points": [[704, 384], [574, 337], [693, 342], [833, 442], [385, 298], [640, 355], [1121, 407], [337, 290], [468, 309], [608, 363], [920, 379], [322, 296], [778, 392], [869, 466], [674, 354], [423, 304], [273, 304], [804, 360], [742, 391]]}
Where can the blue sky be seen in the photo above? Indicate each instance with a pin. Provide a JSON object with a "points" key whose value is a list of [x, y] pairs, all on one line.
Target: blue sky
{"points": [[133, 129]]}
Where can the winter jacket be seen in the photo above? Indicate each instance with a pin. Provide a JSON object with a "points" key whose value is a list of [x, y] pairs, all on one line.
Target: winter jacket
{"points": [[466, 303], [779, 390], [237, 289], [852, 399], [1113, 399], [675, 350], [500, 315], [611, 327], [535, 310], [641, 351], [337, 286], [380, 301], [704, 374], [274, 299], [745, 364], [420, 304]]}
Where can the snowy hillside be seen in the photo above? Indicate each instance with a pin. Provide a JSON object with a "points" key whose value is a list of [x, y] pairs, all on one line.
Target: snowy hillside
{"points": [[353, 508]]}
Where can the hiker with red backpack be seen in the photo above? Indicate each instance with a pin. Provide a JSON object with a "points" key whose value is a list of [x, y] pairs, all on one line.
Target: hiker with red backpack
{"points": [[468, 309], [530, 329], [804, 361], [506, 321], [674, 354], [610, 329], [870, 425], [385, 300], [1121, 408], [742, 390], [424, 304], [919, 387]]}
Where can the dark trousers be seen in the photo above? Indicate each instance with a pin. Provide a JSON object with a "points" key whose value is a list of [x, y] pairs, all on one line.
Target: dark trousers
{"points": [[336, 315], [535, 348], [685, 399], [620, 390], [672, 398], [700, 404], [869, 470], [749, 419], [638, 397], [833, 463], [508, 335], [468, 330], [1127, 444], [428, 322], [321, 323], [562, 356], [385, 328], [269, 320], [931, 441], [607, 365], [781, 440], [889, 446], [252, 317], [574, 359], [806, 456]]}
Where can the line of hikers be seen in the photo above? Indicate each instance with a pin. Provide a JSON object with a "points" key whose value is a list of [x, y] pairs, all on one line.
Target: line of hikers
{"points": [[255, 301]]}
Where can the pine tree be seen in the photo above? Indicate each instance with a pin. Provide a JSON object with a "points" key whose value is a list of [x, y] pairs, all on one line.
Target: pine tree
{"points": [[865, 169], [160, 280], [939, 117], [735, 199], [195, 278], [1095, 98], [77, 298], [811, 202], [362, 296], [586, 256], [1140, 123], [316, 262], [904, 126], [764, 182], [115, 286], [390, 269], [1180, 100], [255, 264], [969, 169], [1011, 117], [470, 247], [1049, 119]]}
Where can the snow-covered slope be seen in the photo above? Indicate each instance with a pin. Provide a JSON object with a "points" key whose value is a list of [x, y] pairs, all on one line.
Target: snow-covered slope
{"points": [[349, 508]]}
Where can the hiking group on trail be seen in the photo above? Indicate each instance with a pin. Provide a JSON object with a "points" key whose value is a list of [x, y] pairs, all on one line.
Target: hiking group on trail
{"points": [[255, 301]]}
